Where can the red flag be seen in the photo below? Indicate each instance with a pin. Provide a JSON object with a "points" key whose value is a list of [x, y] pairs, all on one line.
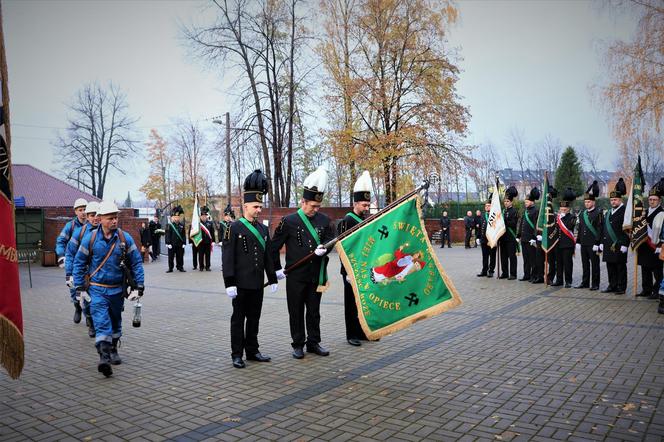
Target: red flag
{"points": [[11, 316]]}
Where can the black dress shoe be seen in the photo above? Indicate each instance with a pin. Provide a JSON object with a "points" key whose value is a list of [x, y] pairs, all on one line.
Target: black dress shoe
{"points": [[642, 295], [619, 292], [511, 278], [502, 277], [259, 357], [538, 281], [316, 348], [529, 279], [195, 268], [654, 296], [489, 275], [207, 269], [568, 286], [594, 288], [200, 270], [609, 289], [238, 362], [169, 271], [581, 286], [182, 270], [481, 274], [556, 284], [298, 353], [354, 342]]}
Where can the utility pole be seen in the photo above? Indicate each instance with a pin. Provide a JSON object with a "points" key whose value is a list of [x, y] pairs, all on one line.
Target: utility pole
{"points": [[228, 156]]}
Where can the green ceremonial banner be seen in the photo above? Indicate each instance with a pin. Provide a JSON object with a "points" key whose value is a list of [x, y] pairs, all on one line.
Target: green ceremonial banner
{"points": [[546, 220], [396, 277]]}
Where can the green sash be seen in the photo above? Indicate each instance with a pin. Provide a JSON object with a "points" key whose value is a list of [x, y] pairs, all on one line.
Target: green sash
{"points": [[513, 233], [611, 232], [590, 227], [322, 275], [176, 232], [253, 230], [355, 217], [530, 223]]}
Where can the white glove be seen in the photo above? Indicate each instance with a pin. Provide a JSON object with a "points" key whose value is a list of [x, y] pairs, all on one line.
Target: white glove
{"points": [[69, 280], [61, 262], [83, 298], [595, 248], [658, 250], [532, 242], [539, 238], [578, 246], [183, 245], [348, 279], [623, 249], [168, 246], [280, 274], [133, 296], [601, 247], [477, 241], [231, 292], [273, 288], [320, 250]]}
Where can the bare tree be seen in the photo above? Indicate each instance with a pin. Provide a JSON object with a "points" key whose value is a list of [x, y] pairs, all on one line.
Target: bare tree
{"points": [[483, 174], [547, 155], [517, 139], [99, 136], [191, 149]]}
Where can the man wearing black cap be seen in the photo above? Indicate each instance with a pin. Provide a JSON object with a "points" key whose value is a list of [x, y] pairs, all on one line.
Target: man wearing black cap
{"points": [[507, 243], [361, 203], [208, 238], [565, 222], [246, 257], [528, 237], [615, 241], [304, 233], [488, 253], [648, 251], [589, 237], [175, 240], [228, 218]]}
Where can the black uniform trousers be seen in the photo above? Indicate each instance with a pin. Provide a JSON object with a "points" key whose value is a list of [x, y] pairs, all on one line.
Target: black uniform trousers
{"points": [[204, 251], [353, 327], [445, 235], [247, 306], [469, 232], [617, 272], [488, 259], [564, 264], [590, 263], [508, 257], [194, 255], [302, 295], [177, 253], [529, 261], [648, 273]]}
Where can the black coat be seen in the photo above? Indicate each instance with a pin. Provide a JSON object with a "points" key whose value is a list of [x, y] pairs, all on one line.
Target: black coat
{"points": [[585, 236], [613, 254], [469, 222], [153, 226], [445, 222], [346, 223], [292, 233], [511, 218], [244, 259], [483, 227], [207, 240], [647, 256], [564, 241], [172, 238], [526, 232], [145, 237], [478, 222]]}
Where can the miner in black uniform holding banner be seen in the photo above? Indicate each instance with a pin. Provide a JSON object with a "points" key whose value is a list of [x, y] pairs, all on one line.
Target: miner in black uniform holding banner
{"points": [[361, 203], [228, 218], [305, 232], [507, 243], [589, 237], [246, 259], [175, 240], [565, 222], [648, 251], [528, 237], [615, 241], [488, 253], [207, 241]]}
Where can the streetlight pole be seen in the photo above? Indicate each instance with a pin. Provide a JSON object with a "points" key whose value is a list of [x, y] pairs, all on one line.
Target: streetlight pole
{"points": [[228, 153]]}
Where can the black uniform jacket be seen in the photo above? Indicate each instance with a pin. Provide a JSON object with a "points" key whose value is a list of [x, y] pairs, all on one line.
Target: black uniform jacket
{"points": [[564, 241], [172, 238], [613, 254], [646, 252], [244, 259], [511, 222], [585, 236], [346, 223], [526, 232]]}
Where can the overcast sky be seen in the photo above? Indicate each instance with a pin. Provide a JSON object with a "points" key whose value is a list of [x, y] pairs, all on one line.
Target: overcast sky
{"points": [[526, 64]]}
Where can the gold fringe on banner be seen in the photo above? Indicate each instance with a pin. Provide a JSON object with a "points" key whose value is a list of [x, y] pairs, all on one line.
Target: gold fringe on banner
{"points": [[11, 347]]}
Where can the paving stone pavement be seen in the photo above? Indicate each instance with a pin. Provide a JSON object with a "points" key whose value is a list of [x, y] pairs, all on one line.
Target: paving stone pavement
{"points": [[515, 362]]}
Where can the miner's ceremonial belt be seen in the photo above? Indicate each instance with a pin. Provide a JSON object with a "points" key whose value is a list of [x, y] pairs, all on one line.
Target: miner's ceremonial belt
{"points": [[108, 286]]}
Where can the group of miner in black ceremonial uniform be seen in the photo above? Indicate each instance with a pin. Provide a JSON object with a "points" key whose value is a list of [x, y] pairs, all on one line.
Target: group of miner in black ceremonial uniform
{"points": [[249, 256], [595, 234]]}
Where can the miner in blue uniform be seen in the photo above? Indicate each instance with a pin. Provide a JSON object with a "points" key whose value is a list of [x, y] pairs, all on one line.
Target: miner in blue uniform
{"points": [[528, 237], [508, 244], [305, 232], [565, 223], [70, 253], [648, 251], [361, 203], [615, 241], [98, 275], [247, 260], [589, 237], [61, 247], [175, 240]]}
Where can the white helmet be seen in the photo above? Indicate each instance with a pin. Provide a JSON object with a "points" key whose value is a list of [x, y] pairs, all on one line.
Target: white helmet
{"points": [[107, 207], [80, 203], [92, 207]]}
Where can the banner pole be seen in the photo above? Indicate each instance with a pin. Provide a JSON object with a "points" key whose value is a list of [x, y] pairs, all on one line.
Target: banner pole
{"points": [[636, 272], [546, 268]]}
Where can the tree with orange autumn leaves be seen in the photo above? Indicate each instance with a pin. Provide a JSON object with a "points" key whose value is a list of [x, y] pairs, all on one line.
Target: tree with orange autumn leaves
{"points": [[392, 92]]}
